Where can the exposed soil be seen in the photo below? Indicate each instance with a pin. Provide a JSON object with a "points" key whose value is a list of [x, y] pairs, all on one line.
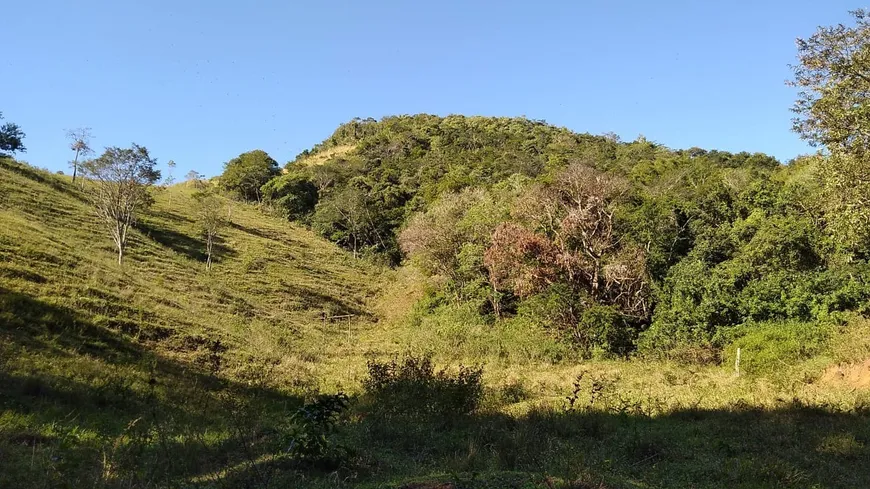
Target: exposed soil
{"points": [[855, 375]]}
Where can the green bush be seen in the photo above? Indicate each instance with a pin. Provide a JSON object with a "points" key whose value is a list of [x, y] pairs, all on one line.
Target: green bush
{"points": [[309, 437], [557, 307], [603, 330], [247, 173], [293, 194], [768, 347], [413, 388]]}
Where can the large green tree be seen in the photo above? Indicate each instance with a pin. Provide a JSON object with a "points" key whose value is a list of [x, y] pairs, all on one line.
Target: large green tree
{"points": [[293, 194], [10, 138], [833, 109], [833, 76], [247, 173]]}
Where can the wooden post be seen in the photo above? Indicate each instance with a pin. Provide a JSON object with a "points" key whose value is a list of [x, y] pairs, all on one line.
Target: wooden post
{"points": [[737, 364]]}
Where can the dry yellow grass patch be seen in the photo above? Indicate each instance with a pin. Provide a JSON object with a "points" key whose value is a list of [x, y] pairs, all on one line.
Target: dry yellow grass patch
{"points": [[326, 155]]}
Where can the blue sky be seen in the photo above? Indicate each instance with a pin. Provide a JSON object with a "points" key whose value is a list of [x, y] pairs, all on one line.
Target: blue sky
{"points": [[201, 81]]}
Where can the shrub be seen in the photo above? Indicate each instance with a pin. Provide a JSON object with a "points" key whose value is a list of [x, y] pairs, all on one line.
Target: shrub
{"points": [[309, 437], [293, 194], [767, 347], [557, 307], [602, 329], [413, 388], [591, 328]]}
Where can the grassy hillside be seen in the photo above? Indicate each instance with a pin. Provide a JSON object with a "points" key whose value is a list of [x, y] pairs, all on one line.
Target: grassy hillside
{"points": [[89, 348], [160, 374]]}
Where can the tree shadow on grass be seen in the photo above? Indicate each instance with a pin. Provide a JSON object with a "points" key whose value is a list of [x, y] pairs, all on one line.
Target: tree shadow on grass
{"points": [[84, 406], [55, 330], [789, 446], [183, 244], [260, 233], [169, 216], [310, 298]]}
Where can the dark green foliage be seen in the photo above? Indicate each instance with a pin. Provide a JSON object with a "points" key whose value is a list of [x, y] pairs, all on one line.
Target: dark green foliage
{"points": [[355, 218], [605, 329], [295, 195], [10, 138], [247, 173], [310, 436], [413, 388]]}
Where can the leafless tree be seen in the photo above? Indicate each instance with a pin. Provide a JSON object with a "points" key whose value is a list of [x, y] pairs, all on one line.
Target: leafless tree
{"points": [[80, 142]]}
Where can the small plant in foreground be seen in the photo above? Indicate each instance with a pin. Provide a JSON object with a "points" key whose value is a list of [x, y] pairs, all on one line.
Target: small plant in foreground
{"points": [[310, 437]]}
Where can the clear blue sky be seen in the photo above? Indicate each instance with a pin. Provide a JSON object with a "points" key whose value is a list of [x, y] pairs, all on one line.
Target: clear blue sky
{"points": [[200, 81]]}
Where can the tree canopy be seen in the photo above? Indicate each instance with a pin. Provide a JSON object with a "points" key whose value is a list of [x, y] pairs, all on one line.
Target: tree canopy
{"points": [[120, 178], [245, 174], [11, 137]]}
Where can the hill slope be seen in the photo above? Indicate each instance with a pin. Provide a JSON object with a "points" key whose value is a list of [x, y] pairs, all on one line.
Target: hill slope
{"points": [[87, 347], [160, 374]]}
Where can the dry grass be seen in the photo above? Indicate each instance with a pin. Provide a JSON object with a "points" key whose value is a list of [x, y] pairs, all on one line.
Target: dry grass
{"points": [[322, 157]]}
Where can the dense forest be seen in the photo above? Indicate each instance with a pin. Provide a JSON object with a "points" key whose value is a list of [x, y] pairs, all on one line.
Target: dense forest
{"points": [[614, 246]]}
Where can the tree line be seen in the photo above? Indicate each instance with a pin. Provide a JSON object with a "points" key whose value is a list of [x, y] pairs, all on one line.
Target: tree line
{"points": [[615, 246]]}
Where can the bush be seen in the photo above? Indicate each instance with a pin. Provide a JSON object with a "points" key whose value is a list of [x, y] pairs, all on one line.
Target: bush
{"points": [[768, 347], [602, 329], [309, 437], [594, 329], [412, 388], [293, 194], [557, 307]]}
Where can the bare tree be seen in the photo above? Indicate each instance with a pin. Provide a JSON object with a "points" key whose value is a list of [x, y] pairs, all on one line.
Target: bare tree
{"points": [[80, 142], [169, 180], [121, 177], [566, 230], [209, 218], [194, 179]]}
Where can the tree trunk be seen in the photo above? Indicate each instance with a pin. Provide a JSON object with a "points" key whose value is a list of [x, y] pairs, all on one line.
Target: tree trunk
{"points": [[120, 254], [208, 247], [75, 166]]}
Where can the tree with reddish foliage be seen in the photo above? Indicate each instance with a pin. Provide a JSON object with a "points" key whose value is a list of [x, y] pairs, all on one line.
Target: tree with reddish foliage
{"points": [[568, 233], [521, 261]]}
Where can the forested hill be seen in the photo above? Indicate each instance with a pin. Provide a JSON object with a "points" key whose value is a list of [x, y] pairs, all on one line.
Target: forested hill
{"points": [[613, 246], [400, 165]]}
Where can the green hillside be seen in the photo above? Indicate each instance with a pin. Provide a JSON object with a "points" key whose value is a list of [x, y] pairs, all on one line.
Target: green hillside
{"points": [[444, 302], [89, 348], [161, 374]]}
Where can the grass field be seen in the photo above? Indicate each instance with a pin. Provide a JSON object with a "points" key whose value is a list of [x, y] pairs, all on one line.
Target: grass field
{"points": [[161, 374]]}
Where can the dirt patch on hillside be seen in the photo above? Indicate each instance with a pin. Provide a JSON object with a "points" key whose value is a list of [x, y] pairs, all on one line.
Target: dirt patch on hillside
{"points": [[855, 375]]}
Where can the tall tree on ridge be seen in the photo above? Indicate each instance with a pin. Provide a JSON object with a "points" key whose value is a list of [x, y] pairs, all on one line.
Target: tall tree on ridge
{"points": [[80, 142]]}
